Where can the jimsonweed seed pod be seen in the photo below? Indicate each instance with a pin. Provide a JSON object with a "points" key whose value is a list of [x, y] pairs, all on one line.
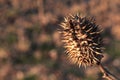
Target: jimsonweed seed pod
{"points": [[82, 40]]}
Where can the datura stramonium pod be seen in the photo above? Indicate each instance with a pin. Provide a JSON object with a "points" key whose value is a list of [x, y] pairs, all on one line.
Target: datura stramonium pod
{"points": [[82, 40]]}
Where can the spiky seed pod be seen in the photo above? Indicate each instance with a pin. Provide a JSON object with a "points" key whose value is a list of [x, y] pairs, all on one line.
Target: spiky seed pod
{"points": [[82, 40]]}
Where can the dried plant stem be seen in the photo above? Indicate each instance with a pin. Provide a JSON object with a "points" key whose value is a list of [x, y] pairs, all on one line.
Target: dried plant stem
{"points": [[106, 74]]}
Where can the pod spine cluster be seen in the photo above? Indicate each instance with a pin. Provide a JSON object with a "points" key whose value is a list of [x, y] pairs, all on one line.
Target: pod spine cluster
{"points": [[82, 40]]}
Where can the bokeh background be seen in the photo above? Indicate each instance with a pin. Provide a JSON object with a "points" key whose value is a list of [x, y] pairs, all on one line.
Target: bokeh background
{"points": [[30, 46]]}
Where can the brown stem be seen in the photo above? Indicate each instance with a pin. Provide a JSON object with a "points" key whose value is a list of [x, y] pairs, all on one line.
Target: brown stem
{"points": [[106, 74]]}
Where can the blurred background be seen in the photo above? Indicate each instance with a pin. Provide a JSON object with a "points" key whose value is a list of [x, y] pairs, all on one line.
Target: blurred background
{"points": [[30, 46]]}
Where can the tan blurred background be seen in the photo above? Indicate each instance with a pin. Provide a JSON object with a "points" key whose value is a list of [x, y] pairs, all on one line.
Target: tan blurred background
{"points": [[30, 46]]}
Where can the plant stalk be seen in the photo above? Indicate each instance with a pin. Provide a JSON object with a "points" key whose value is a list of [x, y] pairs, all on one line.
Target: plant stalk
{"points": [[106, 74]]}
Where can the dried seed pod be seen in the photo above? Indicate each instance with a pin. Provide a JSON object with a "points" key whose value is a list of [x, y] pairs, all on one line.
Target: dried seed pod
{"points": [[82, 40]]}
